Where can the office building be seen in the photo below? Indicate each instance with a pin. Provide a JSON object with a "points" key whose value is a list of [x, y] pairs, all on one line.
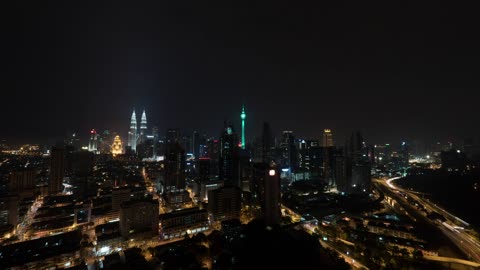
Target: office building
{"points": [[289, 154], [57, 170], [174, 166], [93, 142], [204, 171], [139, 217], [266, 191], [229, 158], [9, 210], [327, 138], [120, 195], [22, 181], [225, 203], [271, 200]]}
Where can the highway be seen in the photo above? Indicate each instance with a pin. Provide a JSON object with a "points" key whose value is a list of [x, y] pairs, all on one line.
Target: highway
{"points": [[464, 241]]}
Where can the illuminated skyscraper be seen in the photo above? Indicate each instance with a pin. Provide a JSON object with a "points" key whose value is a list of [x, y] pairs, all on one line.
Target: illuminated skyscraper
{"points": [[117, 147], [327, 138], [289, 157], [93, 143], [143, 126], [243, 116], [132, 134]]}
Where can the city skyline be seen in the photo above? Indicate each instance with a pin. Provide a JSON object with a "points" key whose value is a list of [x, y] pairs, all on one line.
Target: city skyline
{"points": [[340, 135], [237, 135]]}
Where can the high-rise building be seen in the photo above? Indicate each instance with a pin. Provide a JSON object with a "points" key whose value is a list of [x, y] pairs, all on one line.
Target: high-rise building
{"points": [[156, 142], [57, 170], [9, 210], [204, 169], [139, 216], [117, 147], [120, 195], [132, 134], [93, 142], [143, 127], [271, 201], [172, 135], [327, 138], [289, 157], [243, 116], [225, 203], [228, 158], [357, 166], [174, 166], [22, 181]]}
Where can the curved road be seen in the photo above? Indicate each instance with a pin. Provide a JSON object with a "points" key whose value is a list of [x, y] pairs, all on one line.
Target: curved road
{"points": [[464, 241]]}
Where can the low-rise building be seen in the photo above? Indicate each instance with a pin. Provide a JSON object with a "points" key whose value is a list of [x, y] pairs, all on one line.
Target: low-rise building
{"points": [[177, 223]]}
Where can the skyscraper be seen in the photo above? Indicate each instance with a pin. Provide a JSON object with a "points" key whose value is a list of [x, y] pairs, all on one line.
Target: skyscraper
{"points": [[328, 148], [228, 159], [327, 138], [172, 135], [57, 170], [243, 116], [132, 134], [271, 201], [139, 216], [289, 158], [174, 162], [93, 143], [143, 126], [357, 165], [225, 203]]}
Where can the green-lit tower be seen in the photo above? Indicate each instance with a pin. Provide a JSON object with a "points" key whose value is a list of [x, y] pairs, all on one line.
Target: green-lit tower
{"points": [[243, 115]]}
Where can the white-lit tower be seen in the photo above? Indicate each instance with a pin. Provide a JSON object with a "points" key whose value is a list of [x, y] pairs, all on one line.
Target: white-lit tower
{"points": [[143, 126], [132, 134]]}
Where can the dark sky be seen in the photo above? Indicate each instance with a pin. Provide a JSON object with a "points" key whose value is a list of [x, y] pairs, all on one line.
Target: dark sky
{"points": [[403, 70]]}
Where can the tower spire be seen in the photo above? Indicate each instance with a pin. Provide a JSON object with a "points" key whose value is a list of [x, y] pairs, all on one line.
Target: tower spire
{"points": [[133, 120], [243, 116], [143, 123]]}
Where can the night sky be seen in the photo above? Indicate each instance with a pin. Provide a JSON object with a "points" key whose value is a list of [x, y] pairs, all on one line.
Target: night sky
{"points": [[392, 71]]}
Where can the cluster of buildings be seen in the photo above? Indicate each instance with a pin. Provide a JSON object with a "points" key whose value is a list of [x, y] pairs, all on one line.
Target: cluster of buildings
{"points": [[153, 188]]}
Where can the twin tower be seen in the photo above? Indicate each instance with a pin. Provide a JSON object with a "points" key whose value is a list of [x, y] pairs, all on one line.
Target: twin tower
{"points": [[134, 137]]}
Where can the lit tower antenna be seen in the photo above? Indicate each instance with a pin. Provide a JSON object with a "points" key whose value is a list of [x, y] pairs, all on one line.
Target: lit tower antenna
{"points": [[132, 134], [243, 116]]}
